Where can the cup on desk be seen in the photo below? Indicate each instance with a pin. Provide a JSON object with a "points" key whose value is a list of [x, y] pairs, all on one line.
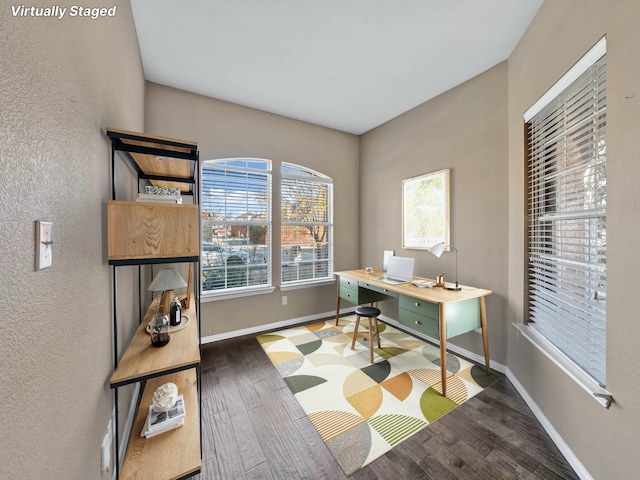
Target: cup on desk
{"points": [[440, 281], [368, 269]]}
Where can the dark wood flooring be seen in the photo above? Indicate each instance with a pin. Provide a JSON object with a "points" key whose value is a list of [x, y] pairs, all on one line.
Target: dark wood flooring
{"points": [[253, 428]]}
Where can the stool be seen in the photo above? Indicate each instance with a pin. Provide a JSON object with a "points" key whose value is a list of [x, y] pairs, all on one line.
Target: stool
{"points": [[370, 313]]}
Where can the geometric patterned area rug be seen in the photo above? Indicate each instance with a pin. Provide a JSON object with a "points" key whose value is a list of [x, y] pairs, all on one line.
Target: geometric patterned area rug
{"points": [[363, 410]]}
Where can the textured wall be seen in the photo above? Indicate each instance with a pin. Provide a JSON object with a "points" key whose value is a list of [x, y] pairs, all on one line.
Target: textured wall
{"points": [[605, 441], [61, 83], [465, 130]]}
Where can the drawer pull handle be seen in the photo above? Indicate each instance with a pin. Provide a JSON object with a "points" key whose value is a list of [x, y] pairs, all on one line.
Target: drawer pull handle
{"points": [[349, 295], [386, 290], [418, 322], [417, 304]]}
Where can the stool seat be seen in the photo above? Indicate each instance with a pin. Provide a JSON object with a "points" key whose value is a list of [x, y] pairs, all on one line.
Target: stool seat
{"points": [[368, 312]]}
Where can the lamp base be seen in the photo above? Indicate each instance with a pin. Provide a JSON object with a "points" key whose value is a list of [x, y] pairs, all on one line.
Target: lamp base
{"points": [[453, 287]]}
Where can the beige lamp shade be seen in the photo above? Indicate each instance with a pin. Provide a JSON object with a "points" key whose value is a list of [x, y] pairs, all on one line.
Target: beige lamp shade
{"points": [[165, 281]]}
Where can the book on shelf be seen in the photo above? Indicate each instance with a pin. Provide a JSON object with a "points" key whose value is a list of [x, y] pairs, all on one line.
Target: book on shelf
{"points": [[154, 197], [160, 422]]}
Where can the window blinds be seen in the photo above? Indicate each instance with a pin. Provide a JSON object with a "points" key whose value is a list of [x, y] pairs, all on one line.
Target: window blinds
{"points": [[567, 220]]}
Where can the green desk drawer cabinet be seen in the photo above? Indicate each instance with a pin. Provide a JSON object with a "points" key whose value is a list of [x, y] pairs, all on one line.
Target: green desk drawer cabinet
{"points": [[423, 317], [384, 291], [351, 292]]}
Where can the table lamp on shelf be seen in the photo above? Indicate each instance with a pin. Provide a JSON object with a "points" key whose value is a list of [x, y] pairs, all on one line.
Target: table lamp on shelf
{"points": [[166, 280], [437, 250]]}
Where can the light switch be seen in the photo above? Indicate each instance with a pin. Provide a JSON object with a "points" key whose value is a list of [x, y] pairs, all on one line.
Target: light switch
{"points": [[44, 244]]}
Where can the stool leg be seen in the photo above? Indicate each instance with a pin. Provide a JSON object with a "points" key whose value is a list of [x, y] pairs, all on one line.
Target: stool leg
{"points": [[371, 339], [355, 332], [377, 332]]}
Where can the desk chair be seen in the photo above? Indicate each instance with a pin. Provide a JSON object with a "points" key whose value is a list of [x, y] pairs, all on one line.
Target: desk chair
{"points": [[371, 314]]}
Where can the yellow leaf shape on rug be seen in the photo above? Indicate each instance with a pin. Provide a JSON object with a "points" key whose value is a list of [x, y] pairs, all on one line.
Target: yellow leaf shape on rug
{"points": [[314, 327], [399, 386], [331, 423], [264, 339], [281, 357], [367, 402]]}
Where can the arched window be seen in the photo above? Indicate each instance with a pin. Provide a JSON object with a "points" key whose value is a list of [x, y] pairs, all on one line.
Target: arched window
{"points": [[306, 230]]}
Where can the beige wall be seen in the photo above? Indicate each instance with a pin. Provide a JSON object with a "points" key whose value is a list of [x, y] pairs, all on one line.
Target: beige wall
{"points": [[61, 83], [605, 441], [225, 130], [465, 130]]}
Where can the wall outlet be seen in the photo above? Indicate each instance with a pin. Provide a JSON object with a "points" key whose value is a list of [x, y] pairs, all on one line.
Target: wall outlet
{"points": [[284, 300]]}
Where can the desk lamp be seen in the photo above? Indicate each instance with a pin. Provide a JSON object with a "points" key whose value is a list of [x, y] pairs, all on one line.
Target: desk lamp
{"points": [[166, 280], [437, 250]]}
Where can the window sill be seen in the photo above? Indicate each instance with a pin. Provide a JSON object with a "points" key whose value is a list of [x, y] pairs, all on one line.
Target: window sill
{"points": [[224, 295], [308, 284], [601, 395]]}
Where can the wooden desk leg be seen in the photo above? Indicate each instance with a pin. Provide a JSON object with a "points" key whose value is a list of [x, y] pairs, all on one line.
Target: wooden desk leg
{"points": [[443, 349], [338, 303], [485, 333]]}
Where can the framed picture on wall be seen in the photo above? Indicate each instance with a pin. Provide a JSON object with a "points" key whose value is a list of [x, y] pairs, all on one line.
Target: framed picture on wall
{"points": [[425, 210]]}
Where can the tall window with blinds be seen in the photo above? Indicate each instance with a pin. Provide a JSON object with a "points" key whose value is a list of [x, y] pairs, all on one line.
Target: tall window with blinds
{"points": [[307, 225], [236, 224], [567, 218]]}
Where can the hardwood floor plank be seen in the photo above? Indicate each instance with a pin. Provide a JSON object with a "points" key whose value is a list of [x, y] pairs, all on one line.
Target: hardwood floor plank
{"points": [[274, 450], [226, 448], [245, 436], [261, 472], [213, 401]]}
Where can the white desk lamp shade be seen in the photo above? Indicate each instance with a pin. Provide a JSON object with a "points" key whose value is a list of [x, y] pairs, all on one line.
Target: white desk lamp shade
{"points": [[437, 249]]}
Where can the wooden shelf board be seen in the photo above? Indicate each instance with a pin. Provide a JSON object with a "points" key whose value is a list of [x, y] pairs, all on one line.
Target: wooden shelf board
{"points": [[145, 230], [173, 454], [143, 360]]}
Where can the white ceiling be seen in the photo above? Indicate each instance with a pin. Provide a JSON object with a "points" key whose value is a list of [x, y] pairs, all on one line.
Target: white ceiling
{"points": [[344, 64]]}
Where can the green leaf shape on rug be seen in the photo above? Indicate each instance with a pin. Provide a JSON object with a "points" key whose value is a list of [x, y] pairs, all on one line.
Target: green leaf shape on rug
{"points": [[300, 383], [396, 428], [390, 352], [482, 378], [378, 371], [262, 339], [307, 348], [434, 405]]}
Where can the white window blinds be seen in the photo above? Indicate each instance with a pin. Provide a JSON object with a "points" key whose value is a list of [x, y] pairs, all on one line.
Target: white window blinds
{"points": [[307, 225], [567, 221]]}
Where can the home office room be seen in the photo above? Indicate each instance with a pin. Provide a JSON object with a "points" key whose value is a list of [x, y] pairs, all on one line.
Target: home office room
{"points": [[191, 197]]}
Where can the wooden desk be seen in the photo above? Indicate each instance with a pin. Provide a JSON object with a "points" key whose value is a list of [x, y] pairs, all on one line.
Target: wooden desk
{"points": [[436, 312]]}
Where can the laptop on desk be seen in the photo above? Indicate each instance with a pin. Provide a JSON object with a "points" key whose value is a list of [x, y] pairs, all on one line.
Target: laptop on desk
{"points": [[399, 270]]}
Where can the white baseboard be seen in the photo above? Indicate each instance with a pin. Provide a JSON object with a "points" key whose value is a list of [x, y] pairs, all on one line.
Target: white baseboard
{"points": [[555, 436], [273, 326]]}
